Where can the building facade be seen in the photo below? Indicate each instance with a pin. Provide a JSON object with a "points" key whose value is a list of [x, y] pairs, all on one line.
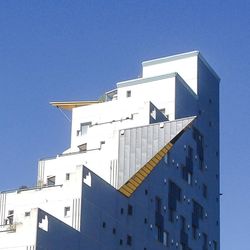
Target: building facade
{"points": [[141, 172]]}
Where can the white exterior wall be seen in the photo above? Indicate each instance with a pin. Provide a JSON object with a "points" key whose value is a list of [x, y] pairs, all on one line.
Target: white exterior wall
{"points": [[24, 236], [160, 91], [185, 65]]}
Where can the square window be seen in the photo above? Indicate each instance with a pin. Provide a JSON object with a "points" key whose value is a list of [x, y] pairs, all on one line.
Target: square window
{"points": [[66, 211], [128, 94], [83, 147], [51, 181], [26, 214]]}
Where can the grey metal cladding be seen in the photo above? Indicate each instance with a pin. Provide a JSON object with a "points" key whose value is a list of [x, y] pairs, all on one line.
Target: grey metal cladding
{"points": [[138, 145]]}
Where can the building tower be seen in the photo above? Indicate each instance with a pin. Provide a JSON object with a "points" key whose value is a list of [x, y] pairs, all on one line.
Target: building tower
{"points": [[141, 172]]}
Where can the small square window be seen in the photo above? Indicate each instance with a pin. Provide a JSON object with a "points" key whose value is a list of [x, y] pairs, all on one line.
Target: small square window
{"points": [[128, 94], [66, 211], [67, 176], [26, 214], [83, 147], [51, 181]]}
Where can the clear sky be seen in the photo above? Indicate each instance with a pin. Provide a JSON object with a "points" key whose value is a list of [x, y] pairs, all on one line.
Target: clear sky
{"points": [[76, 50]]}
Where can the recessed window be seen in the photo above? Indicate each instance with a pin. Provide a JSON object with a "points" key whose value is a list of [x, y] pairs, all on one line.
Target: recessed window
{"points": [[130, 209], [204, 190], [121, 210], [51, 181], [215, 245], [67, 176], [146, 192], [128, 93], [205, 241], [145, 220], [104, 224], [66, 211], [129, 240], [114, 230], [83, 147], [194, 233], [121, 241], [83, 129], [26, 214]]}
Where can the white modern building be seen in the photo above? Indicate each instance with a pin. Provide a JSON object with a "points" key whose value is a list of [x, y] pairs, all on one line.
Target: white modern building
{"points": [[141, 172]]}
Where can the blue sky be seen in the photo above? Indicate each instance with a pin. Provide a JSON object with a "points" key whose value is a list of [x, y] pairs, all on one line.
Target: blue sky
{"points": [[76, 50]]}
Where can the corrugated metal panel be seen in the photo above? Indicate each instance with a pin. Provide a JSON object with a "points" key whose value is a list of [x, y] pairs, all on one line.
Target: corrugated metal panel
{"points": [[141, 145]]}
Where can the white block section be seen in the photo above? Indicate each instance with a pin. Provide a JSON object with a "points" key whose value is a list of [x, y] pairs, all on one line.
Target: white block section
{"points": [[22, 234], [186, 65]]}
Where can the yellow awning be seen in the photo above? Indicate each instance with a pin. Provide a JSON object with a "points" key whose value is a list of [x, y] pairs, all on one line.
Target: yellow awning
{"points": [[73, 104]]}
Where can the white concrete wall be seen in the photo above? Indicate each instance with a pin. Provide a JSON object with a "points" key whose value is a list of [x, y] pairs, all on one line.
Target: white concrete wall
{"points": [[23, 236], [185, 66], [160, 91]]}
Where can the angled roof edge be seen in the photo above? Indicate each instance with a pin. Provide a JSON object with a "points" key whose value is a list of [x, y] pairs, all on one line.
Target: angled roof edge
{"points": [[178, 57], [72, 104], [170, 58], [145, 80], [134, 181]]}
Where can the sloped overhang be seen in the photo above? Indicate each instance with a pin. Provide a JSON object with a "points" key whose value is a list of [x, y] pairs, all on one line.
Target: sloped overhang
{"points": [[141, 149], [73, 104]]}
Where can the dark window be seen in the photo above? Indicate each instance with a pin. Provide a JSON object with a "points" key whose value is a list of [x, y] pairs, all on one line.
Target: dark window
{"points": [[27, 214], [171, 215], [146, 192], [194, 233], [145, 220], [66, 211], [114, 230], [67, 176], [104, 224], [51, 181], [204, 238], [204, 190], [158, 204], [121, 241], [215, 245], [121, 210], [128, 94], [159, 234], [130, 210], [129, 240], [183, 223]]}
